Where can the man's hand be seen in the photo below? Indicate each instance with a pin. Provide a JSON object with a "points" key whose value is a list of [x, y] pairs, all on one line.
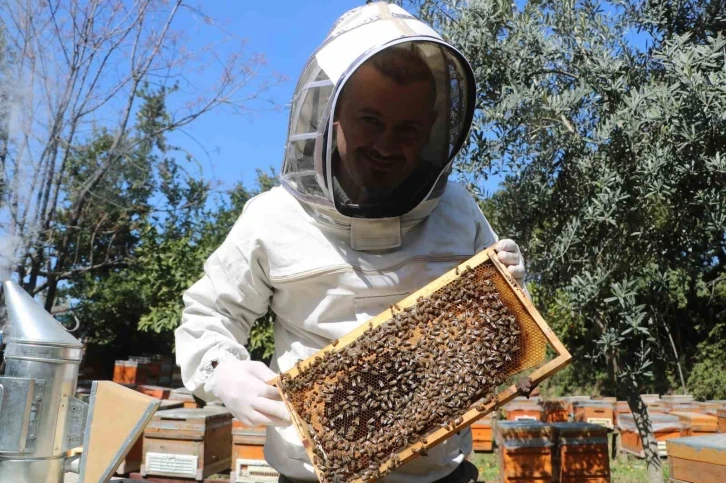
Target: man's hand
{"points": [[510, 256], [242, 387]]}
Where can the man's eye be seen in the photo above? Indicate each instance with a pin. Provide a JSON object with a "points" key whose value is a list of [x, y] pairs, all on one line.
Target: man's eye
{"points": [[372, 121], [408, 131]]}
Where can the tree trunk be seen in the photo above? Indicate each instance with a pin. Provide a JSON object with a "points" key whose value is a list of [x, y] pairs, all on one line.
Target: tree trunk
{"points": [[645, 429]]}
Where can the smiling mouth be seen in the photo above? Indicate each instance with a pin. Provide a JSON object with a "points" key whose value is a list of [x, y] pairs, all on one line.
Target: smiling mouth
{"points": [[379, 164]]}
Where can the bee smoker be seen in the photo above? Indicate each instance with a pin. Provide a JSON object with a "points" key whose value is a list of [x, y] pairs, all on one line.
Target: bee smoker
{"points": [[39, 417]]}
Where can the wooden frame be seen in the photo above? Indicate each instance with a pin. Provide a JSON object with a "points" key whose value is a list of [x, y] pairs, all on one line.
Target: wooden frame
{"points": [[561, 360]]}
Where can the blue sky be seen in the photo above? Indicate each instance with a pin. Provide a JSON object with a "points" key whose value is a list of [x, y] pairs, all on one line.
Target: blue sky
{"points": [[230, 147]]}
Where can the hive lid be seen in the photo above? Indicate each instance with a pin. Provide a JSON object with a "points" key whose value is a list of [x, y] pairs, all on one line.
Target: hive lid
{"points": [[181, 394], [30, 323], [680, 398], [522, 429], [593, 403], [522, 443], [578, 429], [660, 422], [522, 405], [705, 449], [182, 414], [694, 417]]}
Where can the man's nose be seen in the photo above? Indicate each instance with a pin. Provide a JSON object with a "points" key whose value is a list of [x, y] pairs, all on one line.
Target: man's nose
{"points": [[385, 143]]}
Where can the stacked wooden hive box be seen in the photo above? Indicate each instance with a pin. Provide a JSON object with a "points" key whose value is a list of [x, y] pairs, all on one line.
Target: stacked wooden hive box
{"points": [[697, 459], [248, 460], [190, 444], [533, 451], [482, 434], [154, 369], [665, 427]]}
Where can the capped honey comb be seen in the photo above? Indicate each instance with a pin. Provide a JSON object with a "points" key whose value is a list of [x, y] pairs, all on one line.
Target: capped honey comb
{"points": [[429, 366]]}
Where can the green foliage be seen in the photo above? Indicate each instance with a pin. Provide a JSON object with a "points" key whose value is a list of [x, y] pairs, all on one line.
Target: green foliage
{"points": [[709, 372], [165, 247], [614, 168]]}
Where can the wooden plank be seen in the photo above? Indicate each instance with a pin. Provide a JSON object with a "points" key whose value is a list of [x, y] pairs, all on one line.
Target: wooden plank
{"points": [[697, 471], [117, 415], [525, 464], [699, 423], [706, 449]]}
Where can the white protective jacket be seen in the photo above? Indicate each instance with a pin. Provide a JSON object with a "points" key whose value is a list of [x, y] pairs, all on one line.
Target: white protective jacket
{"points": [[322, 273]]}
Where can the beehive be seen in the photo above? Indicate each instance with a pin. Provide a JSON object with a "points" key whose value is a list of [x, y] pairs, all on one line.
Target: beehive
{"points": [[428, 367], [185, 396], [657, 408], [677, 398], [248, 459], [594, 412], [159, 392], [519, 410], [131, 372], [580, 453], [621, 408], [712, 405], [571, 400], [721, 415], [690, 407], [481, 434], [650, 398], [665, 427], [700, 459], [696, 424], [188, 443], [247, 442], [153, 368], [555, 411], [135, 456], [525, 451], [253, 471]]}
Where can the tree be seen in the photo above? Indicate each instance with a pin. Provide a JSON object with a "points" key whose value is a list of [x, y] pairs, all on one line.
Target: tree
{"points": [[137, 308], [80, 74], [614, 172]]}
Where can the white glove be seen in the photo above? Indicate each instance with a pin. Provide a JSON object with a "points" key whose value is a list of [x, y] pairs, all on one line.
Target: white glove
{"points": [[510, 256], [242, 387]]}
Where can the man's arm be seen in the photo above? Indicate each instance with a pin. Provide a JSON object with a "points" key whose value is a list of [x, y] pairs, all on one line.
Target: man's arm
{"points": [[221, 308]]}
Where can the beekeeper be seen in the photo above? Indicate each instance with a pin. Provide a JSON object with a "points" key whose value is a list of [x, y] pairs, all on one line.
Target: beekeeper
{"points": [[365, 216]]}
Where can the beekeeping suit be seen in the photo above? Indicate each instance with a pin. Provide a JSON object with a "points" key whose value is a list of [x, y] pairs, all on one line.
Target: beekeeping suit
{"points": [[326, 264]]}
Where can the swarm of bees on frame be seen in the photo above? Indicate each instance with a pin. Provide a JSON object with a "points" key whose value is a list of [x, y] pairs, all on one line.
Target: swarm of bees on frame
{"points": [[400, 381]]}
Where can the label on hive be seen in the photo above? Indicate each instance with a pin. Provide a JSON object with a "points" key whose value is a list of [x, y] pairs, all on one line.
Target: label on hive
{"points": [[607, 422], [176, 464], [247, 470]]}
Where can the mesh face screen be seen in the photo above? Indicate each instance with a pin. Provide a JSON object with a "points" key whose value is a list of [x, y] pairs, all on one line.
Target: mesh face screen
{"points": [[425, 367]]}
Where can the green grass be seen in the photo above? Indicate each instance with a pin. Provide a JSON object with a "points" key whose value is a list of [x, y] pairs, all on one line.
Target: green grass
{"points": [[625, 469]]}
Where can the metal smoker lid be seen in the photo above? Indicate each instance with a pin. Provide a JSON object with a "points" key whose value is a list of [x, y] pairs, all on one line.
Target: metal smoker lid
{"points": [[30, 323]]}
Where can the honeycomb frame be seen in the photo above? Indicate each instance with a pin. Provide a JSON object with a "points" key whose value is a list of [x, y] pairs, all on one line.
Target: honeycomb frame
{"points": [[533, 327]]}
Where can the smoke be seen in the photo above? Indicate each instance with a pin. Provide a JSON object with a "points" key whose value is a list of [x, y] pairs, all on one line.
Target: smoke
{"points": [[9, 247]]}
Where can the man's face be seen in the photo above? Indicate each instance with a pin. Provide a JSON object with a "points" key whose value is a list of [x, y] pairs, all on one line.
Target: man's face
{"points": [[381, 127]]}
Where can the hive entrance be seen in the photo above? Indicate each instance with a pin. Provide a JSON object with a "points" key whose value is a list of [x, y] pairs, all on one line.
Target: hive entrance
{"points": [[366, 404]]}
